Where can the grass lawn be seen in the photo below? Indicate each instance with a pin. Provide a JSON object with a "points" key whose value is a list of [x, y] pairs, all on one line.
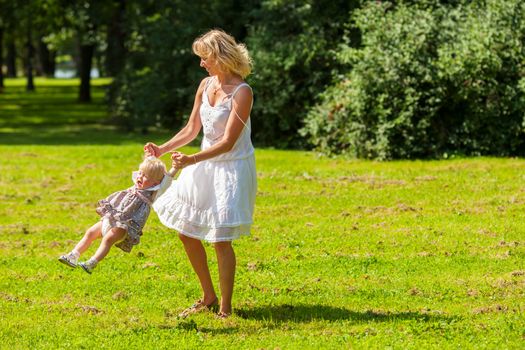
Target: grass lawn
{"points": [[343, 253]]}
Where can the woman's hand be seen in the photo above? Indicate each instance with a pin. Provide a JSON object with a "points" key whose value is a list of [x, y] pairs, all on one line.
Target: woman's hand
{"points": [[180, 160], [151, 149]]}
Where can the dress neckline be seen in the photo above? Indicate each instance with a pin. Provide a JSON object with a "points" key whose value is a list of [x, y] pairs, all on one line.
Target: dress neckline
{"points": [[226, 99]]}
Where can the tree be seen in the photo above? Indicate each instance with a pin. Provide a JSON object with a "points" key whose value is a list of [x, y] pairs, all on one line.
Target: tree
{"points": [[2, 31], [161, 74], [116, 38], [8, 19], [46, 58], [292, 42], [11, 56], [87, 18], [30, 86], [1, 57], [22, 19], [26, 10]]}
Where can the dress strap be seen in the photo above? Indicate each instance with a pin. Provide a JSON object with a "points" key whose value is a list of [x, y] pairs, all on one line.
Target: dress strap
{"points": [[238, 87], [208, 82], [231, 102]]}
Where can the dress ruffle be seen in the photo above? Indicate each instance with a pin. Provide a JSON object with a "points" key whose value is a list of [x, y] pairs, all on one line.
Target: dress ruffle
{"points": [[200, 224], [211, 201]]}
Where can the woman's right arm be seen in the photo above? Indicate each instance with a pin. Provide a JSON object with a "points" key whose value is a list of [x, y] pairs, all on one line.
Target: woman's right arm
{"points": [[187, 134]]}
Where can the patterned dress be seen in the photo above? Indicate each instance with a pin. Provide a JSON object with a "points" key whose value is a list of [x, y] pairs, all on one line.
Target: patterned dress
{"points": [[128, 209]]}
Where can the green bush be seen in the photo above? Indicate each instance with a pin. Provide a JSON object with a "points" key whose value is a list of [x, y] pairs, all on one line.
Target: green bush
{"points": [[292, 43], [428, 80]]}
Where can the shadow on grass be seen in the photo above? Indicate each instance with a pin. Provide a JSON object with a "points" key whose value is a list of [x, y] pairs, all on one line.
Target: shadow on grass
{"points": [[309, 313], [76, 135], [56, 105], [53, 116], [276, 316], [190, 325]]}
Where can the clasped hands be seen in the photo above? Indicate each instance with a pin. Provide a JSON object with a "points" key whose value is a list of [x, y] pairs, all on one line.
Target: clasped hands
{"points": [[178, 160]]}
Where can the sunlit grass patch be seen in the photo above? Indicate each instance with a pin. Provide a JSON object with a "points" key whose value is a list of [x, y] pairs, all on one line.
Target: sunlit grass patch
{"points": [[343, 253]]}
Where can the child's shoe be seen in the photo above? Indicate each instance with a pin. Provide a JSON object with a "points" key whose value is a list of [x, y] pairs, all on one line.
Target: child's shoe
{"points": [[69, 260], [88, 266]]}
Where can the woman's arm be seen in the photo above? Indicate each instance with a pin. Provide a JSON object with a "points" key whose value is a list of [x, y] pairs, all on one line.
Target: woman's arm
{"points": [[187, 134], [241, 107]]}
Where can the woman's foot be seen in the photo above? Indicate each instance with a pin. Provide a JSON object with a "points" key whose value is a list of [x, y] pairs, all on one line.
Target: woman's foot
{"points": [[199, 306], [223, 315]]}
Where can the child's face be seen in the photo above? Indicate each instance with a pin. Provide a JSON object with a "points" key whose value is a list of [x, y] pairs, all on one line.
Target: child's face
{"points": [[144, 181]]}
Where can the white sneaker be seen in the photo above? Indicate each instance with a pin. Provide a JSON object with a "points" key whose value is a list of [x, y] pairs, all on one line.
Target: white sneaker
{"points": [[69, 260], [88, 266]]}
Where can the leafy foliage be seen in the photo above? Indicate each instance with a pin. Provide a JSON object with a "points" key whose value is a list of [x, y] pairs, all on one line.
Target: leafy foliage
{"points": [[292, 44], [372, 79], [161, 76], [427, 81], [290, 41]]}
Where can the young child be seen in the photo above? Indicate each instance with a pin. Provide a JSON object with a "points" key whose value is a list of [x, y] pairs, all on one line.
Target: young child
{"points": [[124, 214]]}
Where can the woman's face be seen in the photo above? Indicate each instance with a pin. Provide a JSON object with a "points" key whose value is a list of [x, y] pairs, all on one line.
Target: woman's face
{"points": [[210, 64]]}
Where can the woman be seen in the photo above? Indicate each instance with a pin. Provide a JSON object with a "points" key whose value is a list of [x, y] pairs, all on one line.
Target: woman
{"points": [[214, 196]]}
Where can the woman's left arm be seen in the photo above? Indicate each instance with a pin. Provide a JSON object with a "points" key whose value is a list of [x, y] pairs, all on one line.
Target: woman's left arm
{"points": [[241, 107]]}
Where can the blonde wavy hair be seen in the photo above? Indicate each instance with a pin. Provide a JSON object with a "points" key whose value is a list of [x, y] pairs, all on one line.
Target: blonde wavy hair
{"points": [[231, 56], [154, 168]]}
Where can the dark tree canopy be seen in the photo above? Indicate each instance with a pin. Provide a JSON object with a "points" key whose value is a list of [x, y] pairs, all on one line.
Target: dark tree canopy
{"points": [[372, 79]]}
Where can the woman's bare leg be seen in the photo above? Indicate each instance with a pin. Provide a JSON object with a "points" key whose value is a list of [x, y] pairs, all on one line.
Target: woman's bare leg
{"points": [[199, 261], [226, 260]]}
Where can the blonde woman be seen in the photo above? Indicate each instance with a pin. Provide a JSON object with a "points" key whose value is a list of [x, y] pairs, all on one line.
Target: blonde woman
{"points": [[213, 198]]}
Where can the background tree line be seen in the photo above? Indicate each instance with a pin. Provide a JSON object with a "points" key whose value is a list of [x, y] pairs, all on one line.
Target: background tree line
{"points": [[372, 79]]}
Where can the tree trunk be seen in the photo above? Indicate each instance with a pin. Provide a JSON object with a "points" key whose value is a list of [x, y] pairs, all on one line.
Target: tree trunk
{"points": [[11, 57], [52, 63], [116, 49], [30, 53], [86, 59], [46, 59], [39, 64], [1, 59]]}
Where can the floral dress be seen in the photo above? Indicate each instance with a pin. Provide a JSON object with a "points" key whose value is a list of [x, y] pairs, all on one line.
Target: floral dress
{"points": [[128, 209]]}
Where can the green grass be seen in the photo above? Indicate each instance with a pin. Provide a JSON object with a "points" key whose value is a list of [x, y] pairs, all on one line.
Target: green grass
{"points": [[343, 254], [52, 115]]}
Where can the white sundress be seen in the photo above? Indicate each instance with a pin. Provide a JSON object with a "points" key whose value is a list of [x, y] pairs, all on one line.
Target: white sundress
{"points": [[214, 199]]}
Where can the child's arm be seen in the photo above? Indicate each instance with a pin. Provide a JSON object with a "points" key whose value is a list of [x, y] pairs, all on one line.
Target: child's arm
{"points": [[166, 182], [172, 172]]}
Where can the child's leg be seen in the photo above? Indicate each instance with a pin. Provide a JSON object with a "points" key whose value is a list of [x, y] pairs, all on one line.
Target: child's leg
{"points": [[94, 232], [113, 236]]}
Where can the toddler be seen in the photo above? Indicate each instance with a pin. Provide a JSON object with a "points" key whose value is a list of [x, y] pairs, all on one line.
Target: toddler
{"points": [[124, 214]]}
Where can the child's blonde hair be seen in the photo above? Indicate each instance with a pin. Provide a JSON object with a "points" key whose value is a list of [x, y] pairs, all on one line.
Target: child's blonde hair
{"points": [[231, 56], [154, 168]]}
